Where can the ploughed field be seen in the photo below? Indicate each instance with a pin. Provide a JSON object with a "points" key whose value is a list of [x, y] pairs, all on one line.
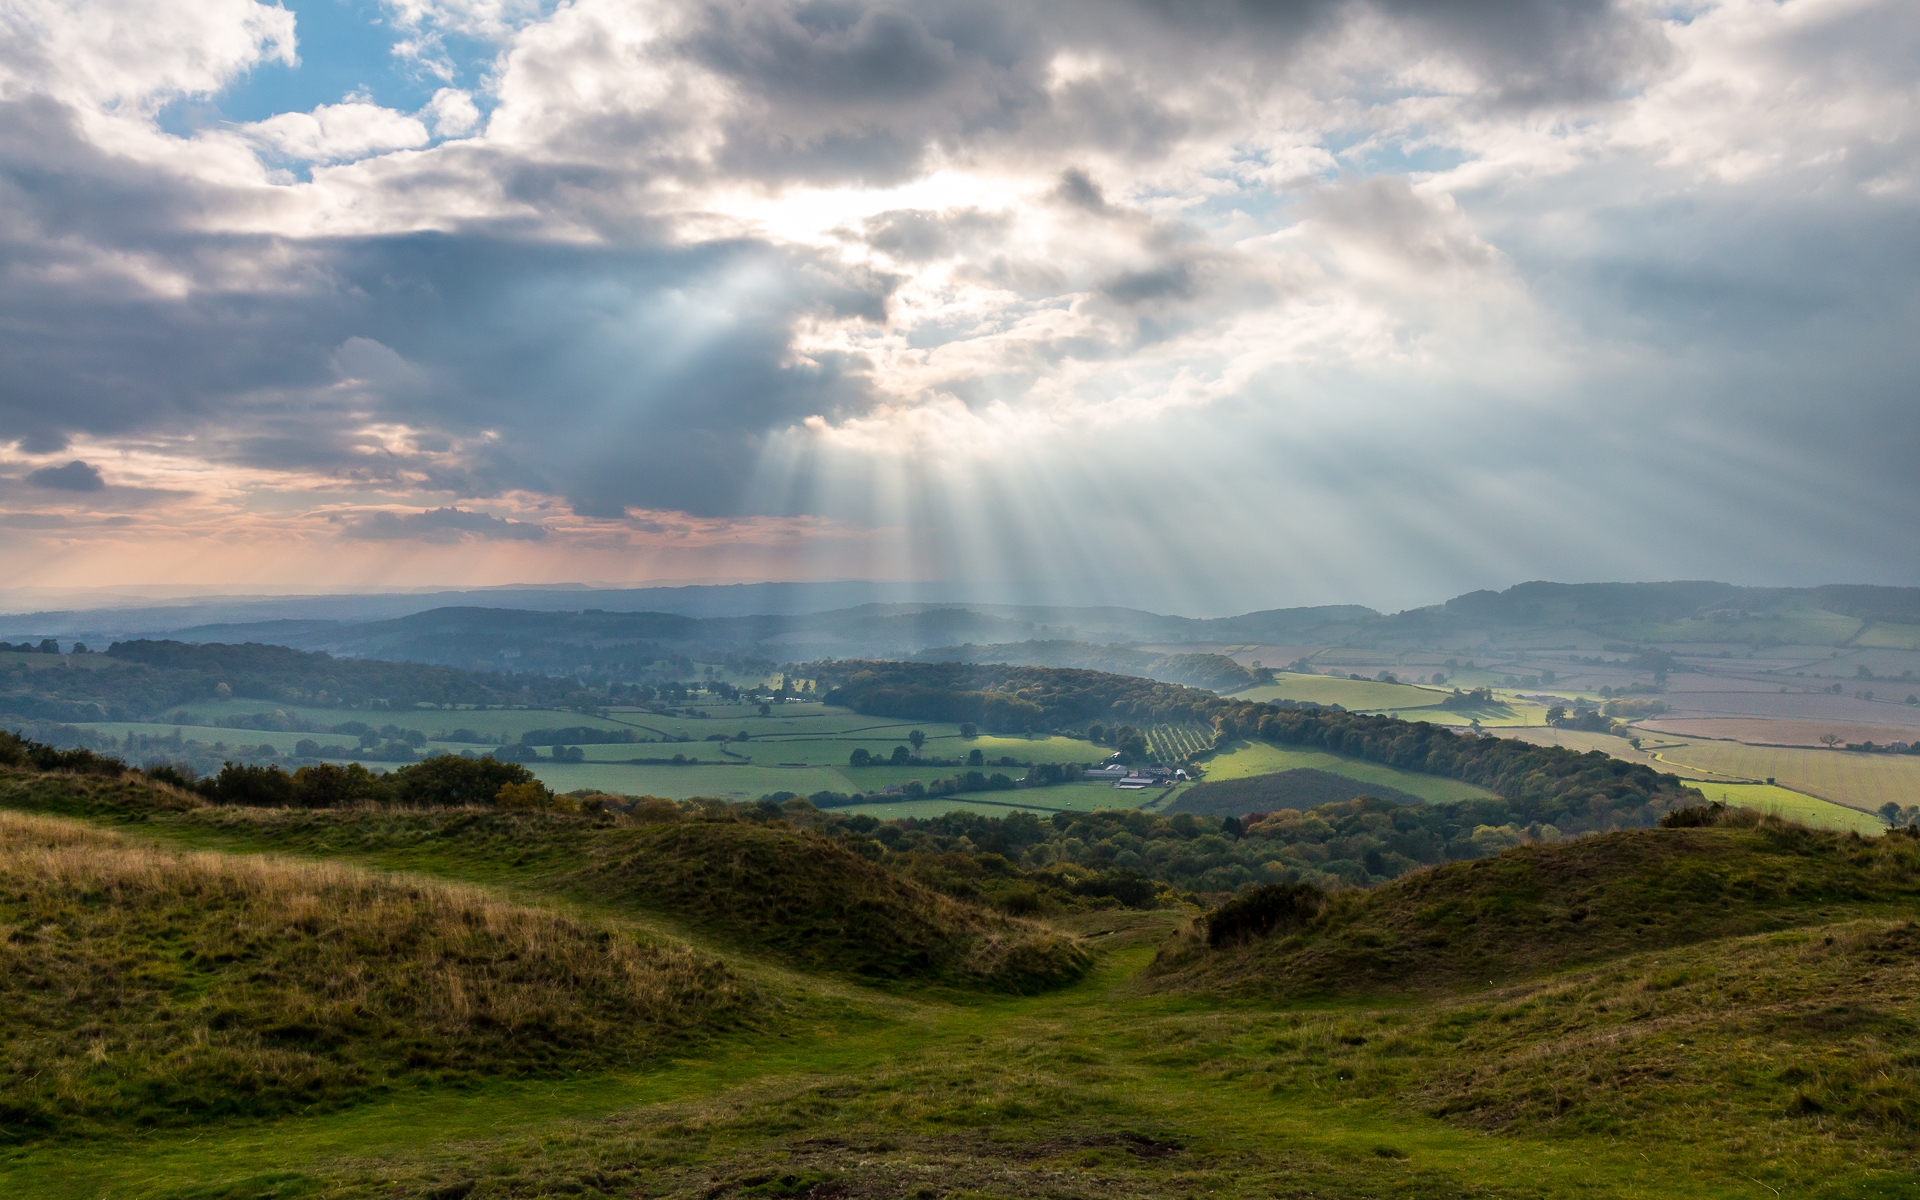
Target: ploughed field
{"points": [[698, 1000]]}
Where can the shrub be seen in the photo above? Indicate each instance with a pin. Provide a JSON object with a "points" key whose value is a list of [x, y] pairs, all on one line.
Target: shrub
{"points": [[530, 795], [652, 810], [1696, 817], [258, 787], [447, 781], [1263, 910], [324, 785]]}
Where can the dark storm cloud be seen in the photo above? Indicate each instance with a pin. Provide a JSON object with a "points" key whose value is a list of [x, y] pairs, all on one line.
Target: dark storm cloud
{"points": [[504, 329], [76, 476], [440, 525], [863, 91], [639, 376]]}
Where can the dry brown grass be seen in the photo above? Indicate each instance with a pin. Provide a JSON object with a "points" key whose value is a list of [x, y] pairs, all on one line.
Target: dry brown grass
{"points": [[146, 984]]}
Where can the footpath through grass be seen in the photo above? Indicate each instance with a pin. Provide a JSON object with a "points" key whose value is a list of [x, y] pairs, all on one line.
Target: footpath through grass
{"points": [[1093, 1092], [1779, 1062]]}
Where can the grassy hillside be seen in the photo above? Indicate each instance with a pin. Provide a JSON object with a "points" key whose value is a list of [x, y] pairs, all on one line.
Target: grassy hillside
{"points": [[758, 886], [824, 907], [151, 987], [1534, 909], [1301, 788], [1243, 760], [1750, 1062]]}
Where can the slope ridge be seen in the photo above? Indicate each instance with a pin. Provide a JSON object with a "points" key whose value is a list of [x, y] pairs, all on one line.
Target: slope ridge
{"points": [[155, 986], [1536, 909]]}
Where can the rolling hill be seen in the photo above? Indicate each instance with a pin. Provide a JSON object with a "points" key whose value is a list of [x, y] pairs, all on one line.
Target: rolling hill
{"points": [[1536, 909]]}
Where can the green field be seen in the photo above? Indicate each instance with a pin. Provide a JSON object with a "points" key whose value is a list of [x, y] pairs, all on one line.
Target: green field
{"points": [[1402, 700], [1815, 627], [800, 747], [1860, 781], [1884, 635], [1795, 806], [1072, 797], [1258, 758], [1353, 694]]}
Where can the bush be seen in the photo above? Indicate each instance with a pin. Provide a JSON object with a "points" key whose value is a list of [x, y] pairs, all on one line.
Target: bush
{"points": [[16, 751], [257, 787], [444, 781], [324, 785], [1697, 817], [171, 775], [1263, 910]]}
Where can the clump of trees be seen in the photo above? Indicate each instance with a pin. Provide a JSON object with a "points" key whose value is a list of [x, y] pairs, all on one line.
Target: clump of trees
{"points": [[145, 677], [441, 781], [1004, 699]]}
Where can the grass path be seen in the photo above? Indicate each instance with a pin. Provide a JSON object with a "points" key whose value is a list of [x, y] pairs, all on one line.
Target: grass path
{"points": [[1101, 1029]]}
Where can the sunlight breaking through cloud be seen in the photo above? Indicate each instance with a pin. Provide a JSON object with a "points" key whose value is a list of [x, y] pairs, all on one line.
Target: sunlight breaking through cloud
{"points": [[1247, 307]]}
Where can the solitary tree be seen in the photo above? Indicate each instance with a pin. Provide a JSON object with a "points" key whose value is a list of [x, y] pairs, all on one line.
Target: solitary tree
{"points": [[1890, 812], [1830, 740], [919, 738]]}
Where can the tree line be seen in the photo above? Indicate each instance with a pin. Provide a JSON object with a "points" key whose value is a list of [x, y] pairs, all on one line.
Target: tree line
{"points": [[442, 781]]}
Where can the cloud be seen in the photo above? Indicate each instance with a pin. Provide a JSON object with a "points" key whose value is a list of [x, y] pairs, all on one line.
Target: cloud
{"points": [[439, 525], [927, 266], [137, 52], [76, 476], [452, 112], [339, 132]]}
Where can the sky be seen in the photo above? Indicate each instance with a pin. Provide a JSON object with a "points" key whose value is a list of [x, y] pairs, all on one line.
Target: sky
{"points": [[1202, 307]]}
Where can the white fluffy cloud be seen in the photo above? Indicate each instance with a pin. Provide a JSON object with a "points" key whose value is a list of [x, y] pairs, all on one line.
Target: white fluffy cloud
{"points": [[338, 132], [135, 53]]}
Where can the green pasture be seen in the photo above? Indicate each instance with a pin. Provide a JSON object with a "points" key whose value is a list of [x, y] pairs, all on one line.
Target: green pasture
{"points": [[1245, 759], [1507, 712], [1884, 635], [1089, 796], [1406, 701], [1860, 781], [1354, 694], [282, 742], [1809, 628], [493, 723], [1795, 806], [816, 738]]}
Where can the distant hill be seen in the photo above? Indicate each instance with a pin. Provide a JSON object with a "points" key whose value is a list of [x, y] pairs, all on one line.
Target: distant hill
{"points": [[1214, 672], [612, 635]]}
